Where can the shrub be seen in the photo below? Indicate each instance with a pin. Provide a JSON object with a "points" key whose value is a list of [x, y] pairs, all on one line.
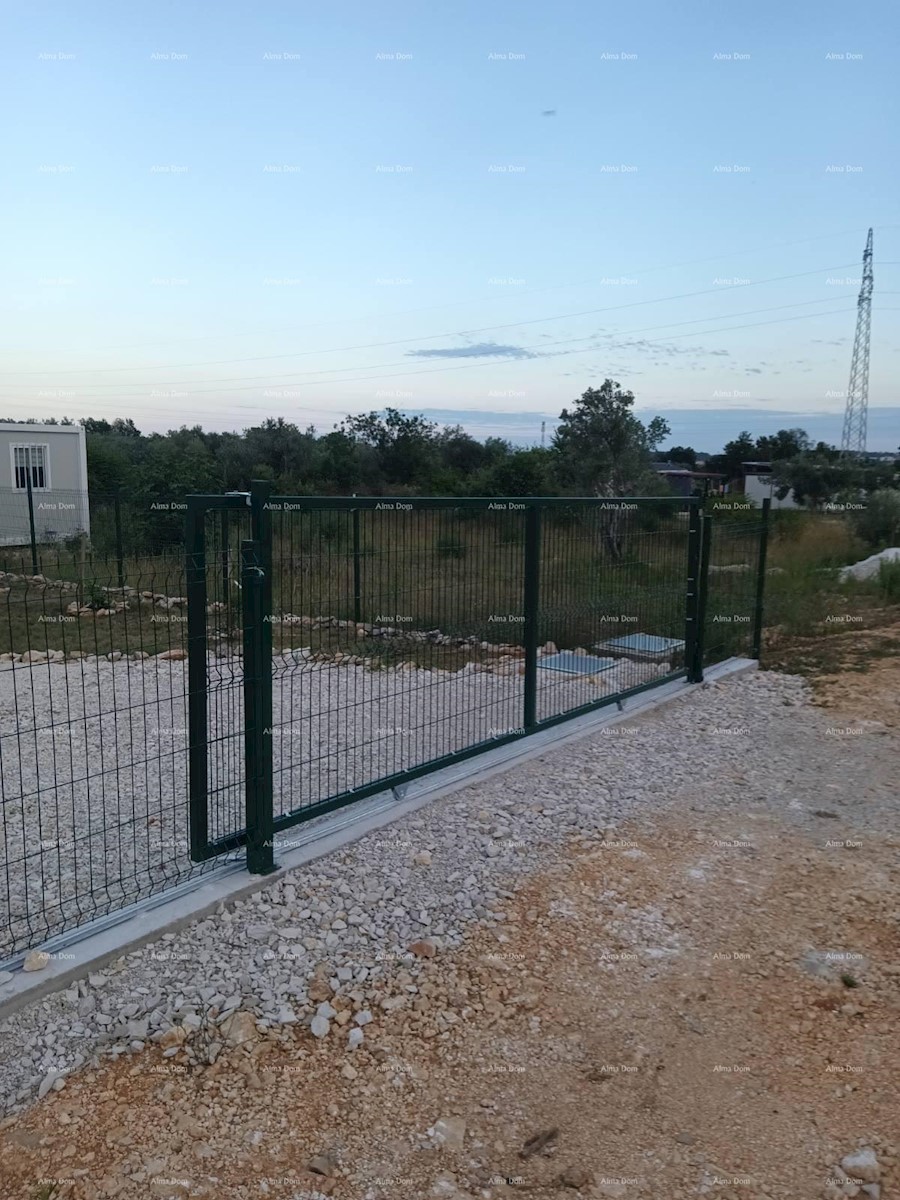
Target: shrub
{"points": [[889, 580], [878, 523]]}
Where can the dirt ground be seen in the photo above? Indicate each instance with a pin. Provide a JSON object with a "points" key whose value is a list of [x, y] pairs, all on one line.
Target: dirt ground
{"points": [[647, 1022], [856, 670]]}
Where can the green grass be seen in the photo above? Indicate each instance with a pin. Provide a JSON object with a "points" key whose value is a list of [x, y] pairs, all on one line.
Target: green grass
{"points": [[889, 581], [44, 1191]]}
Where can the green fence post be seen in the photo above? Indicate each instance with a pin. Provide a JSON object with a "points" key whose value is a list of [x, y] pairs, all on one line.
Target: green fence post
{"points": [[256, 563], [357, 569], [120, 549], [34, 557], [198, 696], [692, 597], [761, 579], [223, 563], [532, 599], [706, 535]]}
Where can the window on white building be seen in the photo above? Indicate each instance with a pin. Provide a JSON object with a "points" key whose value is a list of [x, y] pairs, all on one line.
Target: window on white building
{"points": [[34, 460]]}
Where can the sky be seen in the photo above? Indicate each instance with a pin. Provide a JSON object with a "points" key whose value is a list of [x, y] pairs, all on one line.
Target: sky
{"points": [[216, 214]]}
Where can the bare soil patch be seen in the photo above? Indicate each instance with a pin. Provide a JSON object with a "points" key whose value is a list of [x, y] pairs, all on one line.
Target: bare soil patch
{"points": [[646, 1022]]}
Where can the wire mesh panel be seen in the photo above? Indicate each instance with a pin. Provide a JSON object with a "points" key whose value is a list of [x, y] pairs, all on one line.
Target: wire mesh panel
{"points": [[733, 585], [217, 529], [397, 630], [93, 744], [410, 632], [612, 600], [39, 524]]}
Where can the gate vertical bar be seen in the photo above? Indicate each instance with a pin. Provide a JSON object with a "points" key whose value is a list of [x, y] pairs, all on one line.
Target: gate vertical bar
{"points": [[223, 562], [706, 534], [761, 578], [357, 571], [257, 579], [532, 600], [198, 773], [261, 531], [692, 598]]}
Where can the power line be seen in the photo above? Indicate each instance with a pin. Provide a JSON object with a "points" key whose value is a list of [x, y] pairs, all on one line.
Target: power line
{"points": [[428, 337], [460, 303], [470, 366], [565, 342]]}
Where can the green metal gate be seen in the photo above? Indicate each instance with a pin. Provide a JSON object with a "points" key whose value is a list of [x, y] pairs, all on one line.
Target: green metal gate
{"points": [[369, 641]]}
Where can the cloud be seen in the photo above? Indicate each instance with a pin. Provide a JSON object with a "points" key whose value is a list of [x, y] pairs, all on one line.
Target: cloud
{"points": [[654, 350], [480, 350]]}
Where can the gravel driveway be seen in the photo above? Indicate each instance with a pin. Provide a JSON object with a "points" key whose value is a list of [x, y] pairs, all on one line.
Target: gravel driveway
{"points": [[755, 738], [95, 766]]}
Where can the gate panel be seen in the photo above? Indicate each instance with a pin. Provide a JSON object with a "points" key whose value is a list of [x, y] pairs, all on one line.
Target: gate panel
{"points": [[413, 633], [736, 579], [382, 615], [216, 528]]}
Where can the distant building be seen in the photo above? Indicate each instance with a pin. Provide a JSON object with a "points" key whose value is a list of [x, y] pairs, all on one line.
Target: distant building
{"points": [[54, 459], [685, 482], [757, 484]]}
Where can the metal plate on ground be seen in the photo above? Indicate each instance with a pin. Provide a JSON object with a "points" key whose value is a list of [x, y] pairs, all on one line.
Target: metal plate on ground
{"points": [[570, 663], [646, 646]]}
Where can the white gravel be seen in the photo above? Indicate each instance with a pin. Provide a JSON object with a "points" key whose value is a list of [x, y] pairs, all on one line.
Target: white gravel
{"points": [[95, 766], [752, 739]]}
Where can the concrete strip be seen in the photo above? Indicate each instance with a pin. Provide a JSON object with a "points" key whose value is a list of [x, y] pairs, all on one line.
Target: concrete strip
{"points": [[75, 953]]}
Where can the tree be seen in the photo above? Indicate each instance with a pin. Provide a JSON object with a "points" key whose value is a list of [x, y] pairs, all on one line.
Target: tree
{"points": [[819, 478], [406, 446], [287, 453], [519, 473], [685, 456], [812, 478], [879, 522], [742, 449], [786, 443], [459, 452], [602, 449]]}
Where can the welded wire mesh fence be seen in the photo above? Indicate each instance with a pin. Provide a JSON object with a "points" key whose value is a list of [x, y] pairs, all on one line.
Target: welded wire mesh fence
{"points": [[39, 529], [93, 741], [411, 633], [734, 580], [391, 637]]}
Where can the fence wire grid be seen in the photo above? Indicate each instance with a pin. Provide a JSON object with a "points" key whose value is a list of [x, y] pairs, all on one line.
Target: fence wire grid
{"points": [[391, 637]]}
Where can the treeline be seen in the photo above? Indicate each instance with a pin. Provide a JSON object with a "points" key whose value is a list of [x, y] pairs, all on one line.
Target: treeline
{"points": [[600, 447], [381, 453], [376, 454]]}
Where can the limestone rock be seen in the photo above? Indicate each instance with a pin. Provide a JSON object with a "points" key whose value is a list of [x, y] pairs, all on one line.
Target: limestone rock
{"points": [[239, 1028], [423, 948], [862, 1165], [449, 1132]]}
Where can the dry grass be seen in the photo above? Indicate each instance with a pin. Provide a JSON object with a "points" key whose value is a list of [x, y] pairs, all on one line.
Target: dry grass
{"points": [[465, 577]]}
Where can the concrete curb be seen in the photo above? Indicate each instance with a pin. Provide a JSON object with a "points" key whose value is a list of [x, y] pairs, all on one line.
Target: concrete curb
{"points": [[79, 951]]}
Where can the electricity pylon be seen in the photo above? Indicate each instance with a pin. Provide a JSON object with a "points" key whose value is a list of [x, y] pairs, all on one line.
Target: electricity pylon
{"points": [[853, 440]]}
